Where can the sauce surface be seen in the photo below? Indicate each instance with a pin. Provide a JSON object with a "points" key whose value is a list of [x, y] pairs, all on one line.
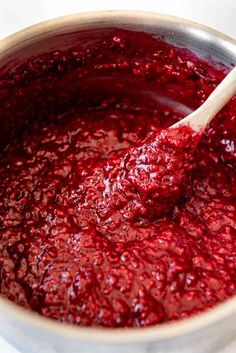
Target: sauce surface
{"points": [[107, 218]]}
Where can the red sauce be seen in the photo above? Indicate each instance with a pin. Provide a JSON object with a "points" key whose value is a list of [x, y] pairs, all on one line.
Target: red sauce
{"points": [[107, 217]]}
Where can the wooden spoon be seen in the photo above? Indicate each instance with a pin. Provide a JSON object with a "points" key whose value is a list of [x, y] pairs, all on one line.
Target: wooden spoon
{"points": [[200, 118]]}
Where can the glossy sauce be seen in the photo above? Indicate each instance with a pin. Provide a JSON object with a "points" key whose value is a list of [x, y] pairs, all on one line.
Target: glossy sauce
{"points": [[107, 218]]}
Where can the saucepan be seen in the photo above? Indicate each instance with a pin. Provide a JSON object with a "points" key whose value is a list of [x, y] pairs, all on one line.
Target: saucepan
{"points": [[31, 333]]}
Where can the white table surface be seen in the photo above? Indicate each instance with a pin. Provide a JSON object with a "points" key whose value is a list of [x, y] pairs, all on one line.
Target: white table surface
{"points": [[17, 14]]}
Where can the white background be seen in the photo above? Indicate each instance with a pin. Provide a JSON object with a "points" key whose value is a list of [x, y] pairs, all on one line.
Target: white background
{"points": [[17, 14]]}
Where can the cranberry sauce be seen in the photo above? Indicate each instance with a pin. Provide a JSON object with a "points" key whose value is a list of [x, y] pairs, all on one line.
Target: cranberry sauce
{"points": [[107, 217]]}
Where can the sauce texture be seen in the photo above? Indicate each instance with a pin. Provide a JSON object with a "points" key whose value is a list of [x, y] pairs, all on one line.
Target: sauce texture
{"points": [[106, 217]]}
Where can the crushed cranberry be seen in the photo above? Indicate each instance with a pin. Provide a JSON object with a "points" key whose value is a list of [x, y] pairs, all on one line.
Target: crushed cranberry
{"points": [[108, 218], [117, 196]]}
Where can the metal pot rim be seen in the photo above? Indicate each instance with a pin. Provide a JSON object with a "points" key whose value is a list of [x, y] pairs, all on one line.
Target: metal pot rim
{"points": [[104, 335]]}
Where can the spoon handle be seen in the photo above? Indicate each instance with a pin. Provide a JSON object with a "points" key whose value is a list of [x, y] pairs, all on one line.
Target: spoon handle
{"points": [[198, 119]]}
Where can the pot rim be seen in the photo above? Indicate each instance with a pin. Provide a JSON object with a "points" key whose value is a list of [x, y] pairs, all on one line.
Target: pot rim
{"points": [[107, 335]]}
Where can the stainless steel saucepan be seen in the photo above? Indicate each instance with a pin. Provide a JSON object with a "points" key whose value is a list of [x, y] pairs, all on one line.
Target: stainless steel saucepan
{"points": [[205, 333]]}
